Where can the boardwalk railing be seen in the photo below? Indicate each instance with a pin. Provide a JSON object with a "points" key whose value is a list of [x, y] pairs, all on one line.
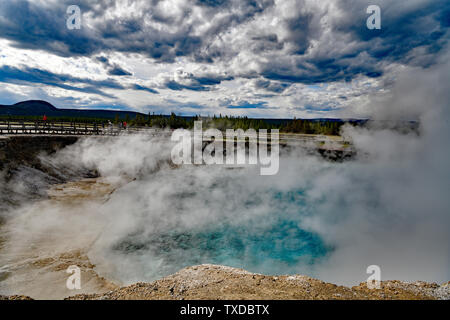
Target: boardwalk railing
{"points": [[12, 127], [56, 127]]}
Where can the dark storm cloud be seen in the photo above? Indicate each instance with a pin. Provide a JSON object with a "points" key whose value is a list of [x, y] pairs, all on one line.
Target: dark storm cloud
{"points": [[113, 69], [26, 76], [276, 87], [299, 32], [325, 70], [299, 47], [212, 3], [188, 81], [173, 85], [405, 26], [37, 76], [142, 88], [34, 26], [266, 43], [118, 71], [248, 105]]}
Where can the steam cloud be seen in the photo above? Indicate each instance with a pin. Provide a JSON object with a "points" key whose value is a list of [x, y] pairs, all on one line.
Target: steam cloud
{"points": [[389, 207]]}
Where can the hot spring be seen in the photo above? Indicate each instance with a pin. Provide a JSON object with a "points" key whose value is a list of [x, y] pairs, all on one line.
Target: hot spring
{"points": [[274, 243], [144, 219]]}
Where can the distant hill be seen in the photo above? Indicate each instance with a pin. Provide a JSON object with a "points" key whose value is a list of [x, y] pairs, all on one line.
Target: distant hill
{"points": [[39, 108]]}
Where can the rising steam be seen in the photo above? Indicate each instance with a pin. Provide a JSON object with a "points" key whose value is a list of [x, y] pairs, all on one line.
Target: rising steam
{"points": [[388, 207]]}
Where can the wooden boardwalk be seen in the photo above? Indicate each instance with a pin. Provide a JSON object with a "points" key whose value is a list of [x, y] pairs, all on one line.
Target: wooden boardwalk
{"points": [[11, 127], [38, 127]]}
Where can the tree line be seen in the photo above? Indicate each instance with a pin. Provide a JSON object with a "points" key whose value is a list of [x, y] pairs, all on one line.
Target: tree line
{"points": [[306, 126], [173, 121]]}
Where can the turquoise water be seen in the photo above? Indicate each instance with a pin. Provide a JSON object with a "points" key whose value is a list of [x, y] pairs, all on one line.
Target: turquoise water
{"points": [[274, 243]]}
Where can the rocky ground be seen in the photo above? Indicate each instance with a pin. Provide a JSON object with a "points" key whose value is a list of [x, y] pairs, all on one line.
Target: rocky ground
{"points": [[219, 282]]}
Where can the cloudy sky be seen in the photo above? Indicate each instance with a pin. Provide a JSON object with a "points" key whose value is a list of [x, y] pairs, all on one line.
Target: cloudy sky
{"points": [[264, 58]]}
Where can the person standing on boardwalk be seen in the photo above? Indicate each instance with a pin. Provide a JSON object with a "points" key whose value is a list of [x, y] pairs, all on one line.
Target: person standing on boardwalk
{"points": [[44, 118]]}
